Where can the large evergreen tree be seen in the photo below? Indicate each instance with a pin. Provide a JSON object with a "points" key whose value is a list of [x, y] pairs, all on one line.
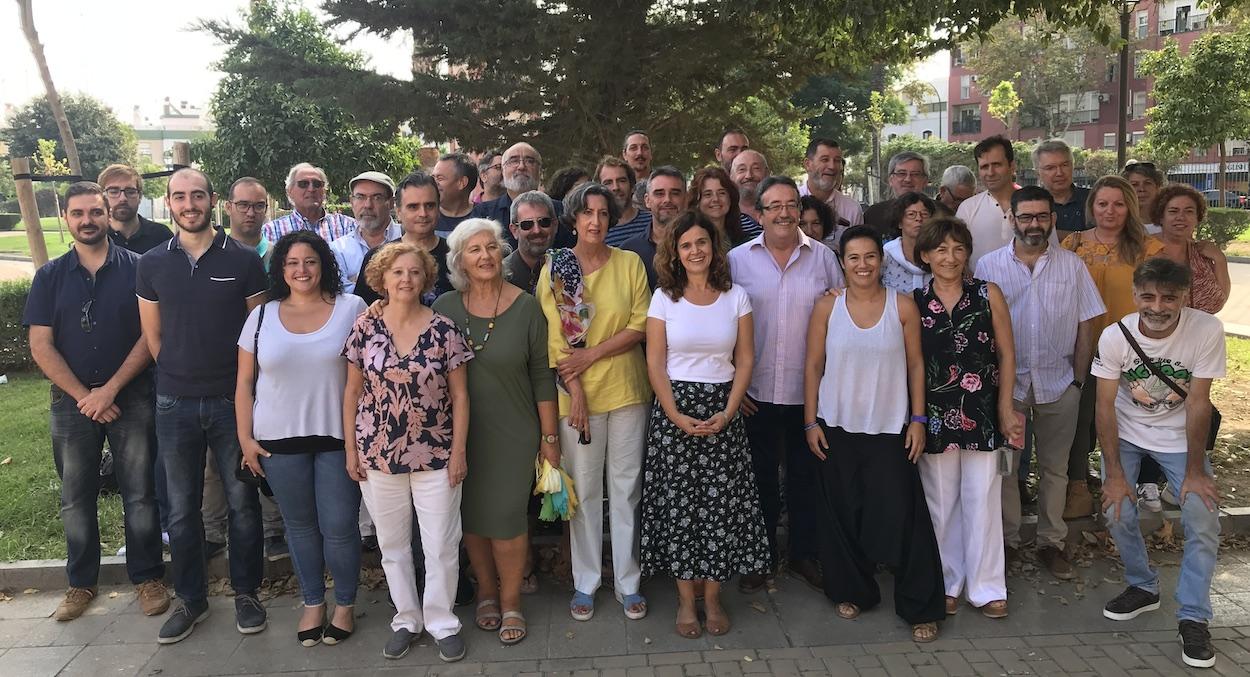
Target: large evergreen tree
{"points": [[102, 138]]}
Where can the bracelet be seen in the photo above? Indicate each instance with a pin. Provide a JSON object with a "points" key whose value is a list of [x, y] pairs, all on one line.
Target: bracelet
{"points": [[811, 426], [922, 420]]}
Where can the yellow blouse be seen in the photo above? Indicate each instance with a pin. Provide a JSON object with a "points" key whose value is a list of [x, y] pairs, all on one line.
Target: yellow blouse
{"points": [[1113, 278], [620, 295]]}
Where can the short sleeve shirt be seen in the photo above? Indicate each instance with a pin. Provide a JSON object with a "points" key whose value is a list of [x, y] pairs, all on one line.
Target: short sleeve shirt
{"points": [[404, 419], [701, 339], [150, 235]]}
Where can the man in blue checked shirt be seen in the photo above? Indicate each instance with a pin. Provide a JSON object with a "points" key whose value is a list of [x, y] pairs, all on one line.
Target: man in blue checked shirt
{"points": [[306, 187]]}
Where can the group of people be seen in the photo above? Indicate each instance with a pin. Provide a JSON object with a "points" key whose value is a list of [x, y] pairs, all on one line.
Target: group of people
{"points": [[679, 347]]}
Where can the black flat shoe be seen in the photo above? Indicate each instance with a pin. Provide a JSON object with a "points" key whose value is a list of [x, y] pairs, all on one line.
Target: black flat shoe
{"points": [[312, 636], [334, 634]]}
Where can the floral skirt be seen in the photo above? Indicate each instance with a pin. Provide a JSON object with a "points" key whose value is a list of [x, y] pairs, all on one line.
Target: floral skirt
{"points": [[701, 516]]}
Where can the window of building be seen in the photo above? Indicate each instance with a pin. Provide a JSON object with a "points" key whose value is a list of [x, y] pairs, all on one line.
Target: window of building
{"points": [[965, 86], [1136, 138], [967, 120], [1108, 140], [1137, 64], [1139, 105], [1143, 24]]}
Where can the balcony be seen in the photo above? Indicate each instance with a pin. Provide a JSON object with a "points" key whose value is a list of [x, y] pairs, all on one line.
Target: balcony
{"points": [[1184, 24], [967, 126]]}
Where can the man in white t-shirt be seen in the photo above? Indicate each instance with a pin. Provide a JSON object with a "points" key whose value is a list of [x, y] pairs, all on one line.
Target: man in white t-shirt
{"points": [[1162, 410]]}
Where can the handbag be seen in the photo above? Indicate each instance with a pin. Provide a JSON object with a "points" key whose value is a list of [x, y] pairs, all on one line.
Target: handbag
{"points": [[242, 474], [1216, 417]]}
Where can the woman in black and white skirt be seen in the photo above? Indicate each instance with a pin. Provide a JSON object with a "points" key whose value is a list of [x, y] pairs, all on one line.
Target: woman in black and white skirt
{"points": [[701, 518]]}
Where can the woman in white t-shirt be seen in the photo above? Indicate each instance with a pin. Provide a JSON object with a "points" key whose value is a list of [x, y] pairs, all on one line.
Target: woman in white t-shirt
{"points": [[290, 424], [701, 517]]}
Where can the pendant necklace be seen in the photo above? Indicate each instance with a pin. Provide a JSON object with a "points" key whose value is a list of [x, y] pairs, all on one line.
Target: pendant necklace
{"points": [[490, 327]]}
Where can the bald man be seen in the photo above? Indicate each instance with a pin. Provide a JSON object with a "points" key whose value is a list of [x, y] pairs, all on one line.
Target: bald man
{"points": [[522, 172]]}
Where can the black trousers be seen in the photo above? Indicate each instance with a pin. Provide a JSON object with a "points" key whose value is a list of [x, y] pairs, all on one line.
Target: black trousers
{"points": [[876, 514], [775, 433]]}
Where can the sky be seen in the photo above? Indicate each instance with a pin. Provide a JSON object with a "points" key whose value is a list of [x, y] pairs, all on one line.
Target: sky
{"points": [[135, 52]]}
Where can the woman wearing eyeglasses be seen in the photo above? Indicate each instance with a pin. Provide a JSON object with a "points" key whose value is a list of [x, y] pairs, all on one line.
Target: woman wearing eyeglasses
{"points": [[902, 271]]}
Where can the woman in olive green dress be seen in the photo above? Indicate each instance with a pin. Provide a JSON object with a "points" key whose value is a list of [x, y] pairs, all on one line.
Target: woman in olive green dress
{"points": [[515, 419]]}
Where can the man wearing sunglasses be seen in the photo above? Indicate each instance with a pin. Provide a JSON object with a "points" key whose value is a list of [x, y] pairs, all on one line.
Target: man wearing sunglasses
{"points": [[533, 225], [306, 189], [85, 335], [123, 187]]}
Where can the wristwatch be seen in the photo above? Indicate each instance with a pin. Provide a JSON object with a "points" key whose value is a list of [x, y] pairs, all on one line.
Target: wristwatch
{"points": [[550, 439], [1078, 384]]}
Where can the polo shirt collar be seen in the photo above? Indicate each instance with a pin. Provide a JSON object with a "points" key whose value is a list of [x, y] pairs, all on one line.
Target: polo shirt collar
{"points": [[219, 240], [110, 257]]}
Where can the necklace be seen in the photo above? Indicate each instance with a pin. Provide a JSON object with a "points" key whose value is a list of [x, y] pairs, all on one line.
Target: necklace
{"points": [[490, 327]]}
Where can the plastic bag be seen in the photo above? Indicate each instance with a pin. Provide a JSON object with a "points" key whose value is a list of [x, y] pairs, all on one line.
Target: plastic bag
{"points": [[559, 500]]}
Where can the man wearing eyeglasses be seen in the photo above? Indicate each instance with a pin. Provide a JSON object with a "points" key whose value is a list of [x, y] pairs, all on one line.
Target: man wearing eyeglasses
{"points": [[123, 187], [1053, 160], [247, 202], [533, 226], [456, 176], [306, 189], [490, 175], [86, 337], [522, 172], [373, 196], [906, 172]]}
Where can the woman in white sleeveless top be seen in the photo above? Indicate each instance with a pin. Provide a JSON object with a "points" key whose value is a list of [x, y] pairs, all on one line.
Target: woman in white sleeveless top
{"points": [[864, 419]]}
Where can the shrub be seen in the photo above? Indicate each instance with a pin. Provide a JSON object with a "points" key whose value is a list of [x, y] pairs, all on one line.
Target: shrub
{"points": [[8, 221], [14, 348], [46, 200], [1223, 225]]}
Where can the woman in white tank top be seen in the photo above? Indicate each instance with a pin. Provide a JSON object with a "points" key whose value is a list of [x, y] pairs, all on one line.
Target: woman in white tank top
{"points": [[864, 419]]}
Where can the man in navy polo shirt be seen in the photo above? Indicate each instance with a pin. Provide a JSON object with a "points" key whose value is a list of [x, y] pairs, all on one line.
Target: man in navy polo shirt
{"points": [[194, 294], [85, 336]]}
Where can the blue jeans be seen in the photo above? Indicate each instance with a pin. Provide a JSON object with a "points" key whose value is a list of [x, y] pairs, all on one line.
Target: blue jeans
{"points": [[319, 505], [185, 428], [77, 442], [1202, 536]]}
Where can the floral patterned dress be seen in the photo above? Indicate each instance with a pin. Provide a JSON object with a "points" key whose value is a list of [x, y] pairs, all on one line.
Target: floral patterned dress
{"points": [[960, 370], [403, 420]]}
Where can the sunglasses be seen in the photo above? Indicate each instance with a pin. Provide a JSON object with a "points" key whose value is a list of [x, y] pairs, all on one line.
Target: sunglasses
{"points": [[526, 225], [85, 322], [315, 183]]}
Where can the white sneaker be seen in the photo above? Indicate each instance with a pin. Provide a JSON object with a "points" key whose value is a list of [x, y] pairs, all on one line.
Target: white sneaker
{"points": [[1148, 497], [1169, 496], [121, 552]]}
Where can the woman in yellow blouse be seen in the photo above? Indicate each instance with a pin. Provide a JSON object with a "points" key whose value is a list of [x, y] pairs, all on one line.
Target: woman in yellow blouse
{"points": [[1111, 250], [595, 299]]}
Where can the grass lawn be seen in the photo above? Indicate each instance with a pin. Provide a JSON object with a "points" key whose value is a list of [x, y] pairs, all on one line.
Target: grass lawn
{"points": [[47, 222], [18, 244]]}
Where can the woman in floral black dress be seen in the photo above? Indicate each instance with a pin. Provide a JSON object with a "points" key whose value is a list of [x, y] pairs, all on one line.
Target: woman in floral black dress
{"points": [[701, 517], [965, 334]]}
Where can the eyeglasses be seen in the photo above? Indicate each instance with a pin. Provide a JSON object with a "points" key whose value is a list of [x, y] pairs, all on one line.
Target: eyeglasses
{"points": [[245, 207], [527, 224], [498, 167], [315, 183], [900, 174], [782, 207], [918, 216], [1026, 219], [85, 320], [118, 192], [376, 197], [516, 160]]}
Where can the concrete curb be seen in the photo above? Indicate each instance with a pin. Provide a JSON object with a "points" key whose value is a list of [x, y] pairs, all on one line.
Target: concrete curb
{"points": [[49, 574], [16, 257]]}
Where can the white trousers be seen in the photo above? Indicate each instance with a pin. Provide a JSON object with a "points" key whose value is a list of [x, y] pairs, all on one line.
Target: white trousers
{"points": [[617, 440], [391, 499], [964, 493]]}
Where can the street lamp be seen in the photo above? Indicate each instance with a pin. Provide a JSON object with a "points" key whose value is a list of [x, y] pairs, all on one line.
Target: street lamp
{"points": [[1126, 8], [940, 107]]}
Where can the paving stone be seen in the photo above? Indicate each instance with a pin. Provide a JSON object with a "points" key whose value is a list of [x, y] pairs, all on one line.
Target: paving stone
{"points": [[698, 669], [976, 656], [1051, 640], [839, 650], [955, 663], [565, 664], [675, 658], [917, 659], [620, 662], [669, 671], [1066, 659], [797, 653], [836, 666], [783, 666], [726, 669], [640, 672], [898, 665], [1107, 667], [36, 661], [864, 662]]}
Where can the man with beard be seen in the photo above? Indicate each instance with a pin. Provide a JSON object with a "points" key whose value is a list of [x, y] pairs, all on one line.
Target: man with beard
{"points": [[306, 188], [533, 225], [732, 142], [636, 150], [666, 198], [1053, 301], [457, 177], [784, 272], [749, 169], [1161, 409], [617, 176], [417, 210], [490, 175], [85, 336], [247, 201], [1053, 161], [988, 213], [522, 172], [372, 195], [825, 168], [957, 185], [124, 188], [194, 294], [908, 172]]}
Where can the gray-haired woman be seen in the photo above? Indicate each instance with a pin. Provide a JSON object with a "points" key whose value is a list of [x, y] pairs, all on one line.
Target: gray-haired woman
{"points": [[506, 330]]}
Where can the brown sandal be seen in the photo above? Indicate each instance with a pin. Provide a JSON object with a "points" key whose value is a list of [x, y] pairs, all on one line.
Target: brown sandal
{"points": [[718, 625], [952, 605], [846, 610], [690, 629], [995, 609], [924, 632]]}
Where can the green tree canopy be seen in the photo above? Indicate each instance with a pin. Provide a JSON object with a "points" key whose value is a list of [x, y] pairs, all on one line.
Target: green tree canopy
{"points": [[102, 138]]}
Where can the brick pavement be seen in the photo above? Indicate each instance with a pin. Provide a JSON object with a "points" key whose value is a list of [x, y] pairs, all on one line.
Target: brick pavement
{"points": [[1055, 629]]}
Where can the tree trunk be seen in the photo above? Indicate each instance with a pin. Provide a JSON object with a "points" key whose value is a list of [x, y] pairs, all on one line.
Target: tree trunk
{"points": [[54, 100], [1223, 182]]}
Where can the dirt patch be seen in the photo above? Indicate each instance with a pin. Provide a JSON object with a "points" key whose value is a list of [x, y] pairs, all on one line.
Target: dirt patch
{"points": [[1231, 457]]}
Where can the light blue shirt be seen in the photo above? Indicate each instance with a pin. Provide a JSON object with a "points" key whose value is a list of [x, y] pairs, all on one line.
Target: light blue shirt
{"points": [[350, 249]]}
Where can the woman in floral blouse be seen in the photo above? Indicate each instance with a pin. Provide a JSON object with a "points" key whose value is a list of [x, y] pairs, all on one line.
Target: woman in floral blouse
{"points": [[407, 401], [969, 358]]}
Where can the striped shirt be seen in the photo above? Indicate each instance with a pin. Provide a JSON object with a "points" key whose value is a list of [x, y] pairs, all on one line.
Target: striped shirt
{"points": [[349, 251], [1046, 303], [330, 226], [782, 301], [750, 227], [618, 234]]}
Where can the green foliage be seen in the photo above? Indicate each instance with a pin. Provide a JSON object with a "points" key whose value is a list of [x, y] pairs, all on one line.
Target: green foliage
{"points": [[1004, 103], [153, 188], [45, 159], [266, 126], [8, 221], [1223, 225], [941, 154], [102, 139], [14, 347], [837, 105], [780, 137], [1095, 163], [401, 156], [8, 188]]}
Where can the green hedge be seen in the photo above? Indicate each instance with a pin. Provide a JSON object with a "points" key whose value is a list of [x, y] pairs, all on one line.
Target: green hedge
{"points": [[1223, 225], [8, 221], [14, 348]]}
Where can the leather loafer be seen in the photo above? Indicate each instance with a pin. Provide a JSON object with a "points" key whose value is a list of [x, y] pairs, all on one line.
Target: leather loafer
{"points": [[750, 583]]}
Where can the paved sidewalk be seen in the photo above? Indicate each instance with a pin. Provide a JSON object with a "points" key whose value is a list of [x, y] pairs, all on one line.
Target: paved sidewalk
{"points": [[1054, 629]]}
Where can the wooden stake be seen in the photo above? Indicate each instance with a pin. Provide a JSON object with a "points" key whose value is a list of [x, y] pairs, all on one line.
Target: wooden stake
{"points": [[30, 211]]}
